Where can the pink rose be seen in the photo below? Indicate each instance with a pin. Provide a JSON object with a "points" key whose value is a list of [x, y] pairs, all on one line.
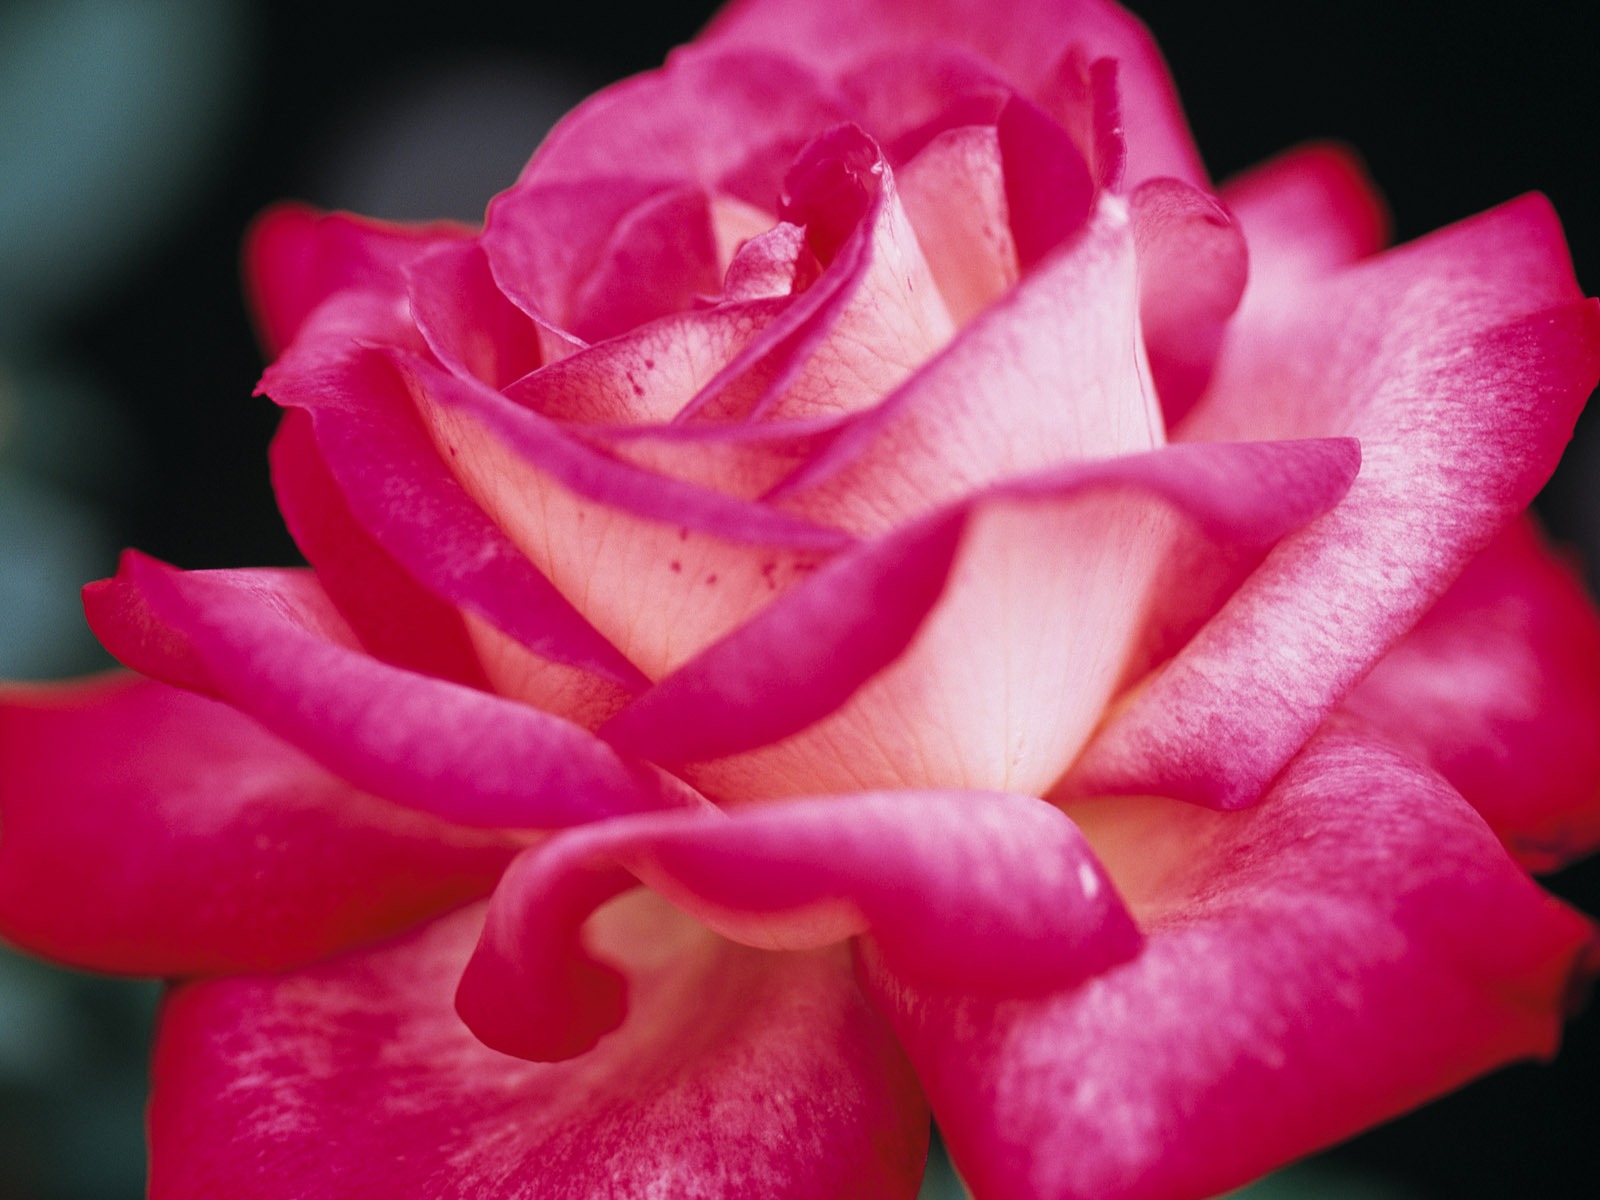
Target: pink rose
{"points": [[900, 597]]}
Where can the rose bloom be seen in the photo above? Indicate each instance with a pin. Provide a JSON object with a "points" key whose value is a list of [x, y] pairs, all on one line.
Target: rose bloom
{"points": [[865, 587]]}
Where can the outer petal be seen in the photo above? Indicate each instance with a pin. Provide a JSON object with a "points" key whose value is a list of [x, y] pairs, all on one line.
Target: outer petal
{"points": [[1028, 46], [1461, 362], [270, 643], [1498, 687], [977, 647], [368, 449], [295, 258], [1353, 946], [395, 619], [147, 831], [1309, 212], [962, 889], [739, 1074]]}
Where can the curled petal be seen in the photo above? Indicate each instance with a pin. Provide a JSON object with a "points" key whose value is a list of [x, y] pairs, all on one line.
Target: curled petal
{"points": [[1356, 944], [271, 644], [978, 890], [747, 1073], [148, 831]]}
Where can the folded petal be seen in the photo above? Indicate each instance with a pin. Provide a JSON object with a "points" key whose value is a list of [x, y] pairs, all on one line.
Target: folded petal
{"points": [[148, 831], [738, 1073], [1460, 362], [270, 643], [995, 892], [1498, 688], [1027, 46], [1356, 944], [977, 647]]}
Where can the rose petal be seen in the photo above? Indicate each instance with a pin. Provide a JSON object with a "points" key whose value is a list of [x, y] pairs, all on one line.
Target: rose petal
{"points": [[1498, 688], [954, 195], [871, 317], [659, 566], [1050, 374], [406, 500], [740, 1073], [1027, 46], [1309, 212], [983, 890], [148, 831], [935, 657], [466, 319], [1353, 946], [1460, 361], [270, 643], [1049, 189], [1192, 268], [296, 257], [395, 619], [648, 375]]}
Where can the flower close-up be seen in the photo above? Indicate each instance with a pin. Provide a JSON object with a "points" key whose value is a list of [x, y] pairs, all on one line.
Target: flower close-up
{"points": [[869, 592]]}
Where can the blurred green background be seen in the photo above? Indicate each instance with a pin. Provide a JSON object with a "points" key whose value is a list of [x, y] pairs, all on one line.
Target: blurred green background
{"points": [[138, 138]]}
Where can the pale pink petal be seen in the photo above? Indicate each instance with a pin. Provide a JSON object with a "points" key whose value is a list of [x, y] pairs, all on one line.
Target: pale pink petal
{"points": [[648, 375], [1353, 946], [1498, 687], [1027, 46], [954, 195], [992, 892], [1050, 374], [295, 258], [1460, 362], [871, 317], [740, 1073], [659, 566], [975, 648], [270, 643], [149, 831]]}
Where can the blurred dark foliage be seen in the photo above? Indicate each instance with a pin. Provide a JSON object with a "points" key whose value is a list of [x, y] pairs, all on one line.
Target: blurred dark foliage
{"points": [[1455, 108]]}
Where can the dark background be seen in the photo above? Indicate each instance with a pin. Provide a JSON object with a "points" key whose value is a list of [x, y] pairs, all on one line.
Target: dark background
{"points": [[359, 105]]}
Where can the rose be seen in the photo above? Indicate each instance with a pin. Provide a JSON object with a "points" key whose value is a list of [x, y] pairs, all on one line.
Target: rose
{"points": [[825, 500]]}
